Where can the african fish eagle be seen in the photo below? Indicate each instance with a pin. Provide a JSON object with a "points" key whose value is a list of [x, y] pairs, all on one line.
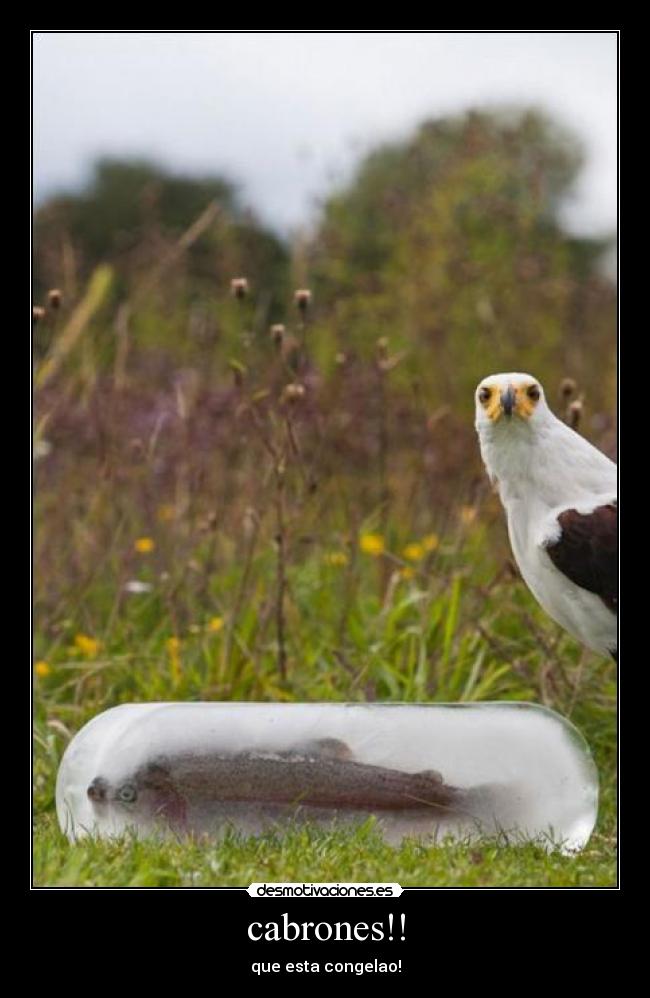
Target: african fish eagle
{"points": [[560, 496]]}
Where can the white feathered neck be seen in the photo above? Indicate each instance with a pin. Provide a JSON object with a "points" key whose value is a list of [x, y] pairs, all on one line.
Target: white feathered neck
{"points": [[543, 460]]}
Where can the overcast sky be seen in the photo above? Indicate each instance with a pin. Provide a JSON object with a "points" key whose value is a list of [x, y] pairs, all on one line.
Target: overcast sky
{"points": [[287, 114]]}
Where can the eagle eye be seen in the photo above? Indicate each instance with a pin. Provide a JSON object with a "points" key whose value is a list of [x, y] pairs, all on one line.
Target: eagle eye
{"points": [[484, 394], [533, 393]]}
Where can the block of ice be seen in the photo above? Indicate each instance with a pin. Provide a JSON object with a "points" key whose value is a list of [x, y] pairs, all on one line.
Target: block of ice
{"points": [[425, 770]]}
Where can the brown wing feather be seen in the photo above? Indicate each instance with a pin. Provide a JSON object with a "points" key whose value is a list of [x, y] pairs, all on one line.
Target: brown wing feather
{"points": [[587, 551]]}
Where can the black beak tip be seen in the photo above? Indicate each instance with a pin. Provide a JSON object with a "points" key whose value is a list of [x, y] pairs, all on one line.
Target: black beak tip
{"points": [[508, 401]]}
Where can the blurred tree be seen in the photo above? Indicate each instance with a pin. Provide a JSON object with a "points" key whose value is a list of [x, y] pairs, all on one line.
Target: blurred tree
{"points": [[451, 241], [131, 215]]}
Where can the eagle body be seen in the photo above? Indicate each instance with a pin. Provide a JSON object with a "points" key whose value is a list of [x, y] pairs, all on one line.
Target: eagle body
{"points": [[560, 498]]}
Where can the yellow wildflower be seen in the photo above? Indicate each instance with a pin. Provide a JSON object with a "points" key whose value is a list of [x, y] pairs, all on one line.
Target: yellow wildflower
{"points": [[430, 542], [144, 545], [166, 513], [215, 624], [467, 515], [42, 669], [406, 573], [336, 558], [372, 544], [414, 552], [86, 645], [173, 646]]}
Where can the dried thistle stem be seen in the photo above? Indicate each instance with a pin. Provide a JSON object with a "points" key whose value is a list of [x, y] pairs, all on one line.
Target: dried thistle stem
{"points": [[295, 450], [241, 593], [281, 575], [123, 346], [279, 468], [382, 460]]}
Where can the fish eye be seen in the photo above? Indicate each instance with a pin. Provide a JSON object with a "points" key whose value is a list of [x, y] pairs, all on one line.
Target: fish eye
{"points": [[485, 394], [533, 393], [127, 793]]}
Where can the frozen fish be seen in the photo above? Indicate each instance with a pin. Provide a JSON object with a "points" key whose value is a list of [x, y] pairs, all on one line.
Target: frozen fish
{"points": [[423, 770], [322, 774]]}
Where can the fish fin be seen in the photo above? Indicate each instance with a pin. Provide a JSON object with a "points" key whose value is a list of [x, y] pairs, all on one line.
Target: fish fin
{"points": [[328, 748], [432, 774]]}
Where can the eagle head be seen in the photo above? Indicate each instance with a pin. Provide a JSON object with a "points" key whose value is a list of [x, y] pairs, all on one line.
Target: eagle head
{"points": [[511, 416], [509, 400]]}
